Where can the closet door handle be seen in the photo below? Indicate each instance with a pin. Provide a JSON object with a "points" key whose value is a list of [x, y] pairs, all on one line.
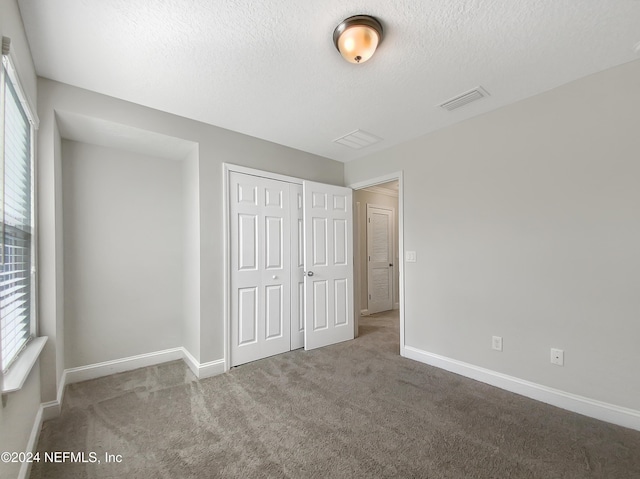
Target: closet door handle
{"points": [[309, 273]]}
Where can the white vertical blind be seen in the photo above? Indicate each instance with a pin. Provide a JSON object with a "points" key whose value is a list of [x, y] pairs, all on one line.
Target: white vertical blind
{"points": [[17, 226]]}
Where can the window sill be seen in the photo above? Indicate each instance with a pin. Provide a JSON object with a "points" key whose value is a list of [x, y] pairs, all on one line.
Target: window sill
{"points": [[14, 379]]}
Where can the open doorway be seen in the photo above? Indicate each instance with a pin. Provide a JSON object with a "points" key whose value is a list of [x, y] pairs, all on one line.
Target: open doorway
{"points": [[377, 221], [378, 250]]}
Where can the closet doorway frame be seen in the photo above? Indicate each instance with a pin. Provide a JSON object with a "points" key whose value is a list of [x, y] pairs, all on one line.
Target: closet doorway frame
{"points": [[227, 169]]}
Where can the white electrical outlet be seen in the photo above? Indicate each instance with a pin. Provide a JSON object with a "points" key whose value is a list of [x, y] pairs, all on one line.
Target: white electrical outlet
{"points": [[557, 356], [410, 256], [496, 343]]}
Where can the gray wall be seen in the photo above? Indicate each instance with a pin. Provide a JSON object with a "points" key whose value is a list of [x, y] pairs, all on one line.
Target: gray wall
{"points": [[17, 416], [526, 225], [364, 198], [123, 254], [191, 246], [204, 334], [16, 421]]}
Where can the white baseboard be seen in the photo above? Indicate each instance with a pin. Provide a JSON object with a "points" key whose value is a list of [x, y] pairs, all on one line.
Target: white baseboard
{"points": [[204, 370], [106, 368], [192, 362], [32, 443], [572, 402], [212, 368], [52, 409], [365, 312], [61, 385]]}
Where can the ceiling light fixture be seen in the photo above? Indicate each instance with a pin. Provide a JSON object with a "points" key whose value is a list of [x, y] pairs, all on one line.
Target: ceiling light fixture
{"points": [[357, 38]]}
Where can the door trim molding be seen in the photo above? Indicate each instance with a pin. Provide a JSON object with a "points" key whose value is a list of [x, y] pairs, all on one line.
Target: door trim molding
{"points": [[359, 185], [227, 169]]}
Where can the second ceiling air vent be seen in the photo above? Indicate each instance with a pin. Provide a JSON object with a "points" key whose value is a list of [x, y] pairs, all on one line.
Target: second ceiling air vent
{"points": [[465, 98], [357, 139]]}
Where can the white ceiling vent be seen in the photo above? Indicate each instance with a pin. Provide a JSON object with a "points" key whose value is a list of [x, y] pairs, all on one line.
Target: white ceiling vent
{"points": [[465, 98], [357, 139]]}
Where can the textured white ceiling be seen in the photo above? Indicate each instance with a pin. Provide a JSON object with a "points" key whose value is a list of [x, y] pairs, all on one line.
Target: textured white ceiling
{"points": [[269, 69]]}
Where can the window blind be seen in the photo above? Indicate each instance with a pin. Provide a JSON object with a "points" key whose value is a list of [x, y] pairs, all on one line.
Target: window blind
{"points": [[15, 272]]}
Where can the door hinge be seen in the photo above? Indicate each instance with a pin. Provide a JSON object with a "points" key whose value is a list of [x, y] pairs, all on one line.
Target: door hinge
{"points": [[369, 258], [369, 296], [369, 220]]}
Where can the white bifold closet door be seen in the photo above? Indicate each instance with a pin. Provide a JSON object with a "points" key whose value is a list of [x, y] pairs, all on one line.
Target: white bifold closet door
{"points": [[328, 264], [297, 267], [260, 268], [275, 231]]}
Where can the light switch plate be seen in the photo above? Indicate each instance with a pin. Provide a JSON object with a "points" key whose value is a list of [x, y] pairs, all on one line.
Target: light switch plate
{"points": [[410, 256]]}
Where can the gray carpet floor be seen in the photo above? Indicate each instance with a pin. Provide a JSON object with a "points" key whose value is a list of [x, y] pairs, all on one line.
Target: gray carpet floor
{"points": [[352, 410]]}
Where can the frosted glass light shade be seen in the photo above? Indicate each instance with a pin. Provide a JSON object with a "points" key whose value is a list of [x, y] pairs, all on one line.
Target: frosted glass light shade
{"points": [[357, 38], [357, 44]]}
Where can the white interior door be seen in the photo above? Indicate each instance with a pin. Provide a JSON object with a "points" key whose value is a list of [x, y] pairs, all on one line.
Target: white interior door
{"points": [[380, 259], [328, 259], [260, 267], [297, 267]]}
